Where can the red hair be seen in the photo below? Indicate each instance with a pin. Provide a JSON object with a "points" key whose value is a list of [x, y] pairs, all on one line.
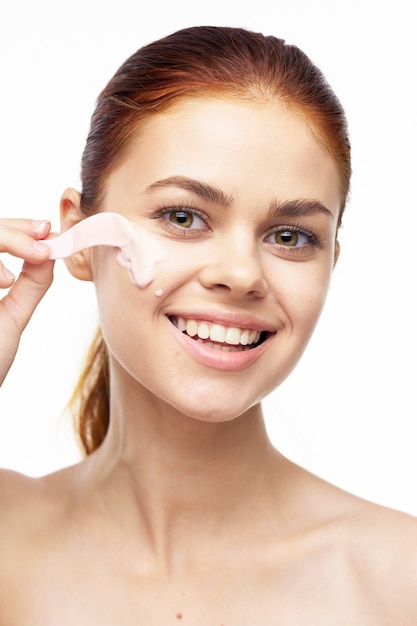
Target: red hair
{"points": [[191, 63]]}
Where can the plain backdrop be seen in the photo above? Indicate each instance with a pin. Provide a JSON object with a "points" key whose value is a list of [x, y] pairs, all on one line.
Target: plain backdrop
{"points": [[348, 412]]}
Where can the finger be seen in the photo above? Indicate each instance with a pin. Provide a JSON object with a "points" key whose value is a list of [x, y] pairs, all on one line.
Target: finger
{"points": [[19, 244], [38, 229], [26, 292], [6, 277]]}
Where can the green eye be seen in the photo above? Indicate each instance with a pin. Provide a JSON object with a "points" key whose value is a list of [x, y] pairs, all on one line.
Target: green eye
{"points": [[287, 238], [181, 218]]}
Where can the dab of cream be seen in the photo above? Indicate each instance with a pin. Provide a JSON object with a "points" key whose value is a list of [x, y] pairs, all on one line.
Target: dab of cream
{"points": [[140, 256]]}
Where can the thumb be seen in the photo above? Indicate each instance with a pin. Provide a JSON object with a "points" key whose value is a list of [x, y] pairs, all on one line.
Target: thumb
{"points": [[17, 307], [26, 293]]}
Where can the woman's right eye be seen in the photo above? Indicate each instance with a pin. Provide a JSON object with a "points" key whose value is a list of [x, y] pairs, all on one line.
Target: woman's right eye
{"points": [[184, 219]]}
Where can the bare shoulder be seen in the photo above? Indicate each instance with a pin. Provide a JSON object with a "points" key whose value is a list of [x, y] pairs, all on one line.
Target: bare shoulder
{"points": [[18, 490], [370, 549], [386, 556], [20, 507], [381, 545], [32, 513], [28, 507], [20, 494], [17, 493]]}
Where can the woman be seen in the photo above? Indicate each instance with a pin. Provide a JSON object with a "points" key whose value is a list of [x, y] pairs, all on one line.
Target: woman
{"points": [[231, 149]]}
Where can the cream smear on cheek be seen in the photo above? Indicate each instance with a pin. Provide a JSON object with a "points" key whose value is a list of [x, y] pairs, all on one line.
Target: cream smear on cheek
{"points": [[140, 257]]}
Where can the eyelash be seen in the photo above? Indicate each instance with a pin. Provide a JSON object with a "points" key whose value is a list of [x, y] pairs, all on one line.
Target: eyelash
{"points": [[313, 238], [162, 213]]}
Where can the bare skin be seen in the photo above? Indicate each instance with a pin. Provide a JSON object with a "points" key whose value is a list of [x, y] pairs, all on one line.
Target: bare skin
{"points": [[20, 237], [284, 548], [186, 513]]}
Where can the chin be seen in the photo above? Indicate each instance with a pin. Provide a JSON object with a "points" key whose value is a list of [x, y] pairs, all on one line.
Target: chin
{"points": [[216, 411]]}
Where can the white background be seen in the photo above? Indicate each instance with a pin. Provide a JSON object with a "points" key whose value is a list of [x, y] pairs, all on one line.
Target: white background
{"points": [[348, 413]]}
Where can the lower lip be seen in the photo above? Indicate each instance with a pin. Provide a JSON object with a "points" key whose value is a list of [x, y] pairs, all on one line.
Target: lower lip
{"points": [[217, 359]]}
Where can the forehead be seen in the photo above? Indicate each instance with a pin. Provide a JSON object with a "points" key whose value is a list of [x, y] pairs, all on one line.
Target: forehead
{"points": [[250, 149]]}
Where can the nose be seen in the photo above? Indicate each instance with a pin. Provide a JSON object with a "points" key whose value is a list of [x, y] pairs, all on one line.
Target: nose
{"points": [[235, 266]]}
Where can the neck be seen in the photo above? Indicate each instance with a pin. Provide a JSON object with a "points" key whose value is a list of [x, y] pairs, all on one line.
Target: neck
{"points": [[174, 474]]}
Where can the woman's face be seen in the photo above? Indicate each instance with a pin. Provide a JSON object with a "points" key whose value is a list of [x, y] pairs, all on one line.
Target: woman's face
{"points": [[245, 202]]}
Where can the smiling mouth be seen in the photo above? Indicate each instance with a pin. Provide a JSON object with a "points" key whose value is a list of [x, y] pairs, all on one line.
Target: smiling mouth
{"points": [[219, 337]]}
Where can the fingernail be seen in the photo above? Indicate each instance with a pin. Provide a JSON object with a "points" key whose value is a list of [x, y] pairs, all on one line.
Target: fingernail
{"points": [[39, 226], [8, 274], [40, 246]]}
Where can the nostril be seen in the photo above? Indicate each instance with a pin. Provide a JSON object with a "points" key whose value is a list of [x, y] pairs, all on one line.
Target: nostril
{"points": [[241, 278]]}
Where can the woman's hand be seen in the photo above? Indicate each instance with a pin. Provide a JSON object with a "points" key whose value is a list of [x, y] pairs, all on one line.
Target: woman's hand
{"points": [[20, 238]]}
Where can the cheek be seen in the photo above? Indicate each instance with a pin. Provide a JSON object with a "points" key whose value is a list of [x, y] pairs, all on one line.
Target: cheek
{"points": [[301, 291], [121, 304], [107, 277], [126, 321], [182, 264]]}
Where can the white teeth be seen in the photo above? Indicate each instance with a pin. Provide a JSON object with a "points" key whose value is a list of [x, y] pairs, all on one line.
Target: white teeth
{"points": [[244, 337], [203, 330], [217, 333], [218, 346], [233, 336], [191, 328], [181, 324]]}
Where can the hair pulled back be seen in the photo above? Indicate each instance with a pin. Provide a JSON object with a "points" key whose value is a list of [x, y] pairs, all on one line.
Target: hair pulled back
{"points": [[192, 63]]}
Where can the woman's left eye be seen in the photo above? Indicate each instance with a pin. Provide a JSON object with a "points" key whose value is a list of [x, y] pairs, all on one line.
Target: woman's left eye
{"points": [[289, 238]]}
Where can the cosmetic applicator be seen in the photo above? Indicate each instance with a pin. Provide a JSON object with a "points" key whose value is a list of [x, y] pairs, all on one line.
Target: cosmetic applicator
{"points": [[139, 252], [101, 229]]}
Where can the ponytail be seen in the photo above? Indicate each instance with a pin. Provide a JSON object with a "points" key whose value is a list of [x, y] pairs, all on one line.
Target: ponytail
{"points": [[89, 403]]}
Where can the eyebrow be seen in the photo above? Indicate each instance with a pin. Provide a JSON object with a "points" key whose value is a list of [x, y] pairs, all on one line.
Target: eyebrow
{"points": [[294, 208], [211, 193], [200, 189]]}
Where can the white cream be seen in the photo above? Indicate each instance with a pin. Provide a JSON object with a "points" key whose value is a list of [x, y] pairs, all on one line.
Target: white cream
{"points": [[140, 256]]}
